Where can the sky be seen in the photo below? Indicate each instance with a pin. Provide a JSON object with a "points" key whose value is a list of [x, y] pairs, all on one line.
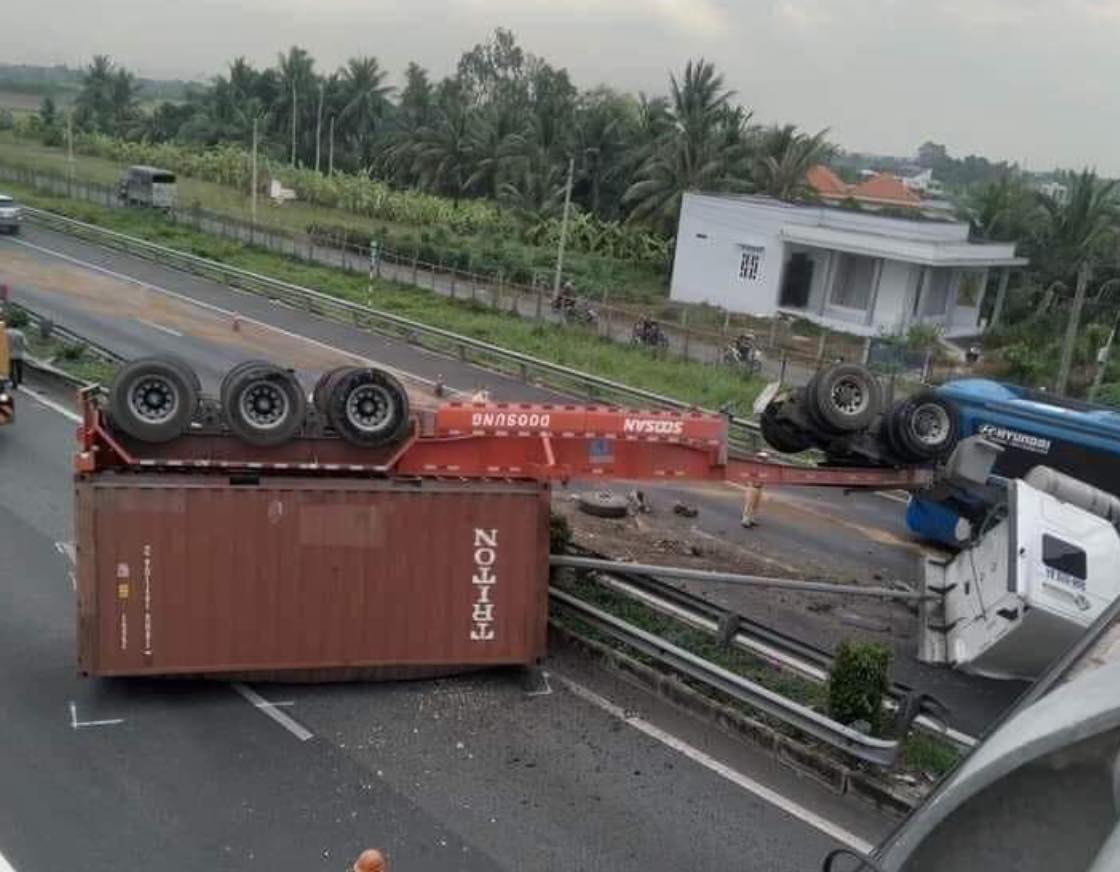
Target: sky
{"points": [[1032, 81]]}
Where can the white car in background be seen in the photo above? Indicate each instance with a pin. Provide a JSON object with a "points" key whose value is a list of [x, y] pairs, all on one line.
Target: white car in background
{"points": [[10, 214]]}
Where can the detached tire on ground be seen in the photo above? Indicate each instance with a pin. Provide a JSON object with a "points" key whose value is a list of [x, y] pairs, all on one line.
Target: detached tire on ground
{"points": [[263, 403], [781, 434], [153, 399], [603, 504], [923, 427], [366, 407], [844, 398]]}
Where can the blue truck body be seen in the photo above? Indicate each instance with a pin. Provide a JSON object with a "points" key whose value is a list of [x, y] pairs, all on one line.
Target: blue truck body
{"points": [[1035, 429]]}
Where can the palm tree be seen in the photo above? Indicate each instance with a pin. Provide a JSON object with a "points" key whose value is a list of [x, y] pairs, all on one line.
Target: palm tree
{"points": [[784, 159], [94, 103], [1002, 210], [295, 94], [701, 149], [604, 131], [1077, 233], [441, 155], [365, 103]]}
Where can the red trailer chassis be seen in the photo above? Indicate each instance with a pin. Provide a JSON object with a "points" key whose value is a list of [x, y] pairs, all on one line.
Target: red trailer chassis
{"points": [[518, 441]]}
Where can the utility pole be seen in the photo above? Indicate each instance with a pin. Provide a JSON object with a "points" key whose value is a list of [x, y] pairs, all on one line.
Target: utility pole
{"points": [[1102, 361], [253, 196], [319, 126], [330, 150], [563, 228], [1083, 273], [293, 161]]}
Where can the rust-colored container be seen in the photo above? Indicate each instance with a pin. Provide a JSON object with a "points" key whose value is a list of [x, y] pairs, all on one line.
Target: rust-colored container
{"points": [[197, 574]]}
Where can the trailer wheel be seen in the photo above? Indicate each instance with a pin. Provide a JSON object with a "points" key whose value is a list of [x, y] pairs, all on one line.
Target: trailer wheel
{"points": [[264, 404], [320, 394], [845, 397], [185, 368], [603, 504], [233, 374], [924, 426], [779, 433], [152, 399], [367, 407]]}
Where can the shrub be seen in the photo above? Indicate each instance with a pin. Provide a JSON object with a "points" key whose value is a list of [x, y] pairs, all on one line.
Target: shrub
{"points": [[14, 316], [72, 351], [858, 683]]}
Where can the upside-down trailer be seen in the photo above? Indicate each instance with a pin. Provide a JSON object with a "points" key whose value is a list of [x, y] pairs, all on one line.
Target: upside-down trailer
{"points": [[204, 555]]}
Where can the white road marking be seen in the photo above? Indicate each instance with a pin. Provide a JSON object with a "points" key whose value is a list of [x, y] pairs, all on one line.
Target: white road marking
{"points": [[51, 404], [5, 866], [156, 326], [894, 496], [737, 778], [228, 314], [269, 708], [546, 690], [78, 725]]}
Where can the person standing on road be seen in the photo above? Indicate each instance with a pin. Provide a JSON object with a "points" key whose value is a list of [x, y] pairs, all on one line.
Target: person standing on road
{"points": [[16, 344]]}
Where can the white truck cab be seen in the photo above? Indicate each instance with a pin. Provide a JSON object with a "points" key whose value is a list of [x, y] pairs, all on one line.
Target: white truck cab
{"points": [[11, 215]]}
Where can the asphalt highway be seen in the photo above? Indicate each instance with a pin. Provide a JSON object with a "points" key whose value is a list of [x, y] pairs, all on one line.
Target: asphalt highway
{"points": [[137, 307], [504, 771]]}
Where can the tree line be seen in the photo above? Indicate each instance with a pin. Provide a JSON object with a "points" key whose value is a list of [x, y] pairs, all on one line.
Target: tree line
{"points": [[505, 126]]}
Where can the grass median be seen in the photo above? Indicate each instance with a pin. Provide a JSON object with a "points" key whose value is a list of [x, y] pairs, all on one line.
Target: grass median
{"points": [[573, 347]]}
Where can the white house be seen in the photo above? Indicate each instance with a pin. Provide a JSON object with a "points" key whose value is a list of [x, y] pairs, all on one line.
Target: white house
{"points": [[860, 272]]}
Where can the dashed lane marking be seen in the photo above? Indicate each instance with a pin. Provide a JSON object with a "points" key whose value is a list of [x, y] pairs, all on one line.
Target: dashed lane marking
{"points": [[48, 403], [76, 724]]}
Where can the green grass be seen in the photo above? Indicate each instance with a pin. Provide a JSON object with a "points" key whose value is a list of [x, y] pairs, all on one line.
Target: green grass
{"points": [[75, 360], [688, 381], [924, 753], [626, 281]]}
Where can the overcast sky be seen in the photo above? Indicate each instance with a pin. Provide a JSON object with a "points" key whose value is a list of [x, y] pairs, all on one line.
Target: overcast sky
{"points": [[1027, 80]]}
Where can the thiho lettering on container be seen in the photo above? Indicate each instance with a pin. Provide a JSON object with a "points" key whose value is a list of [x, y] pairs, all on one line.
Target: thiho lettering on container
{"points": [[483, 578]]}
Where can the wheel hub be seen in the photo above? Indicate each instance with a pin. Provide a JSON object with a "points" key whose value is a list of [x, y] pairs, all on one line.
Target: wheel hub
{"points": [[930, 424], [369, 408], [264, 405], [154, 399], [849, 396]]}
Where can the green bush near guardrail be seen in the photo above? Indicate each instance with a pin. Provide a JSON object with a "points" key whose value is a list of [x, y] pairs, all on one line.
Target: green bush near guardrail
{"points": [[859, 682]]}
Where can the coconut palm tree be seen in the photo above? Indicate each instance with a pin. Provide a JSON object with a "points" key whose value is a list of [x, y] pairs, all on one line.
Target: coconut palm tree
{"points": [[365, 104], [700, 150], [1077, 234], [442, 151], [784, 159]]}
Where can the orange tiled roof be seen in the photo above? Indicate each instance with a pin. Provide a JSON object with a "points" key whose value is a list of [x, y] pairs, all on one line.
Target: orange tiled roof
{"points": [[825, 182], [886, 189]]}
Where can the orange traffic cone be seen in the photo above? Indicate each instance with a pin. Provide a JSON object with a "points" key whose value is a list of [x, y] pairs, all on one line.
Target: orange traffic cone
{"points": [[371, 860]]}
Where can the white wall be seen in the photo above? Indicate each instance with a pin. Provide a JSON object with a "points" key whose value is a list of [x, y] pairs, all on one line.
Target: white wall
{"points": [[710, 240]]}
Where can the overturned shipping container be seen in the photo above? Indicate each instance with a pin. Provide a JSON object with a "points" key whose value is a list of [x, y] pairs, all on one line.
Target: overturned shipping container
{"points": [[343, 577]]}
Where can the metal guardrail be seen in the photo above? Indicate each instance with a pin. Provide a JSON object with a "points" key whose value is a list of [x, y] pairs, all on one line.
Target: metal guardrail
{"points": [[881, 752], [743, 434]]}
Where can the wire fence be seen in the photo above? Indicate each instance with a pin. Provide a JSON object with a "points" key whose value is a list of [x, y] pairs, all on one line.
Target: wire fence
{"points": [[784, 354]]}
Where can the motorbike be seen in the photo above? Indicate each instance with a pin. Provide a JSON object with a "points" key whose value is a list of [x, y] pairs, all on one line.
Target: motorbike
{"points": [[575, 310], [648, 332], [743, 355]]}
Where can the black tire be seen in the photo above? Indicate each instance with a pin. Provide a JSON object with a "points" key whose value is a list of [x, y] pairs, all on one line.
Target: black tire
{"points": [[152, 399], [367, 407], [924, 427], [229, 377], [603, 504], [320, 394], [844, 398], [780, 434], [185, 368], [263, 403]]}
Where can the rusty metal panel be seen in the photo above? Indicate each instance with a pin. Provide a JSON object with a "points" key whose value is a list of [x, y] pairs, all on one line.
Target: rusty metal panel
{"points": [[194, 574]]}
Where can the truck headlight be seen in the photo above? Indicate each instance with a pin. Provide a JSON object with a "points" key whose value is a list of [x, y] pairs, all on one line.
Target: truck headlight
{"points": [[5, 398]]}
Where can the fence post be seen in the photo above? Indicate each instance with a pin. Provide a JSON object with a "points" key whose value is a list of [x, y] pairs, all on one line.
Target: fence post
{"points": [[415, 259], [439, 269], [453, 272], [496, 293], [820, 345], [773, 332], [782, 371], [540, 303], [866, 351], [685, 330]]}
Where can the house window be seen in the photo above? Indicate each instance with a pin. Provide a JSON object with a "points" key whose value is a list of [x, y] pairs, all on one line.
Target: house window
{"points": [[851, 288], [750, 263]]}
